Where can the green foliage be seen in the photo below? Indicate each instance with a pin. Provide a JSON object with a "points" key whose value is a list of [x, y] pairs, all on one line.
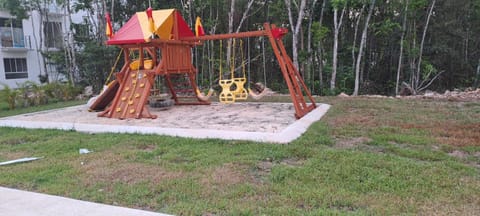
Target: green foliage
{"points": [[418, 4], [385, 28], [30, 94], [58, 59], [95, 63], [338, 4], [62, 91], [9, 95], [428, 70], [319, 32], [15, 7], [450, 43]]}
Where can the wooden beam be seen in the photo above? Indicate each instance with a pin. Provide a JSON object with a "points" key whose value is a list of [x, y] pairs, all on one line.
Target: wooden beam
{"points": [[227, 36]]}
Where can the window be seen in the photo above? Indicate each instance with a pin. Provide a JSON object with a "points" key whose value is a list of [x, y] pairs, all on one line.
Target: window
{"points": [[11, 33], [15, 68], [53, 34]]}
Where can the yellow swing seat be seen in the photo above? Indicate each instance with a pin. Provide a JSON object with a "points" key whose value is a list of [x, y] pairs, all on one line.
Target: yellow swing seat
{"points": [[226, 96], [240, 92]]}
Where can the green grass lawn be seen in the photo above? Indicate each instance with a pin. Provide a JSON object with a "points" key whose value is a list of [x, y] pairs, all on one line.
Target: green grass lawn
{"points": [[367, 156]]}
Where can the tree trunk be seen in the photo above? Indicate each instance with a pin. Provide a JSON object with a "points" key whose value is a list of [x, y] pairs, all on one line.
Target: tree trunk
{"points": [[43, 12], [101, 25], [38, 45], [231, 16], [230, 30], [477, 75], [69, 45], [400, 57], [212, 31], [311, 75], [362, 45], [422, 42], [295, 26], [245, 15], [357, 23], [112, 10], [412, 59], [337, 24], [320, 49]]}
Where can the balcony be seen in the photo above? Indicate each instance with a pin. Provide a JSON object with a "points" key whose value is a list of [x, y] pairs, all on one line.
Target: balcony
{"points": [[13, 40]]}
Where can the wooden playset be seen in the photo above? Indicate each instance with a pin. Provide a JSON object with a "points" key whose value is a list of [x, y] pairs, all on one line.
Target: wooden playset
{"points": [[159, 43]]}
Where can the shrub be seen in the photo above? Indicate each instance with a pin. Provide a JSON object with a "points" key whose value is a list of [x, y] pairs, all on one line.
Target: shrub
{"points": [[9, 95], [31, 94]]}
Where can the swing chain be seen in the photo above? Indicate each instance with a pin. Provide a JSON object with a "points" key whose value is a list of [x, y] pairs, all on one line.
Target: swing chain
{"points": [[114, 66]]}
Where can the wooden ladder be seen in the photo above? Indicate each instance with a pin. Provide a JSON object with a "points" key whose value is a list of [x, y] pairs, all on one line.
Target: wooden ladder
{"points": [[183, 87]]}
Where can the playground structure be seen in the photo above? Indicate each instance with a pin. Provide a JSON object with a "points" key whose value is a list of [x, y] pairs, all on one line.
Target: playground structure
{"points": [[159, 43]]}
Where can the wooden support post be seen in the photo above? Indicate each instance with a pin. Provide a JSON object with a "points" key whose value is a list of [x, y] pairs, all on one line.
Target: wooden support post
{"points": [[291, 75]]}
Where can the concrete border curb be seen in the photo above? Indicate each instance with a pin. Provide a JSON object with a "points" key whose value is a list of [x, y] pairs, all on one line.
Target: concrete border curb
{"points": [[287, 135]]}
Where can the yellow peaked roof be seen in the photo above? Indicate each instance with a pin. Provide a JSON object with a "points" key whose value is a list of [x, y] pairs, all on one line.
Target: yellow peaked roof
{"points": [[163, 22]]}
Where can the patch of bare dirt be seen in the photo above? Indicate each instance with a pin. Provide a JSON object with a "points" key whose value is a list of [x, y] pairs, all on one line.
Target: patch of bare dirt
{"points": [[454, 134], [464, 155], [228, 174], [292, 162], [477, 154], [348, 143], [225, 175], [112, 168], [458, 154], [146, 147], [445, 208], [15, 141], [13, 155], [458, 135], [264, 168], [354, 116]]}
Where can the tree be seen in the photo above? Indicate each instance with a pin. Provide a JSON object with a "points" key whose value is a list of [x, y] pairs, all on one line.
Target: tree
{"points": [[400, 56], [295, 26], [70, 60], [320, 34], [417, 85], [309, 78], [231, 16], [358, 17], [337, 22], [436, 38], [362, 45]]}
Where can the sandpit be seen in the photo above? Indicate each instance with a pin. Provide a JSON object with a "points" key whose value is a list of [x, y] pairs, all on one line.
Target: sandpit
{"points": [[262, 122]]}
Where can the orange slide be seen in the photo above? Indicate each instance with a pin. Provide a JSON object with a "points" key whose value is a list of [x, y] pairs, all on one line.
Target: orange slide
{"points": [[105, 97]]}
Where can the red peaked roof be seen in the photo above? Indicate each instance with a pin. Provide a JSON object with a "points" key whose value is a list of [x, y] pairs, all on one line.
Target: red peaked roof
{"points": [[136, 30]]}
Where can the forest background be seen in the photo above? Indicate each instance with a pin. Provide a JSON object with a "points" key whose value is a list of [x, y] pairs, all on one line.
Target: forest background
{"points": [[352, 46]]}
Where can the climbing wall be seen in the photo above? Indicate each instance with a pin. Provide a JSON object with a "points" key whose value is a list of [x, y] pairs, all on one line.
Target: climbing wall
{"points": [[132, 97]]}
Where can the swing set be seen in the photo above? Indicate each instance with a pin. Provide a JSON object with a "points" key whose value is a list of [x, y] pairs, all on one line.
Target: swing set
{"points": [[163, 41], [239, 92]]}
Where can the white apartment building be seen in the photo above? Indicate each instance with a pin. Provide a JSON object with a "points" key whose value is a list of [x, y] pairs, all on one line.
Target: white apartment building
{"points": [[20, 59]]}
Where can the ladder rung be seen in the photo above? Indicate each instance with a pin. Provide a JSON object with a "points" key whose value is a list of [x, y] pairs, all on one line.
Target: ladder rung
{"points": [[181, 83], [183, 90]]}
